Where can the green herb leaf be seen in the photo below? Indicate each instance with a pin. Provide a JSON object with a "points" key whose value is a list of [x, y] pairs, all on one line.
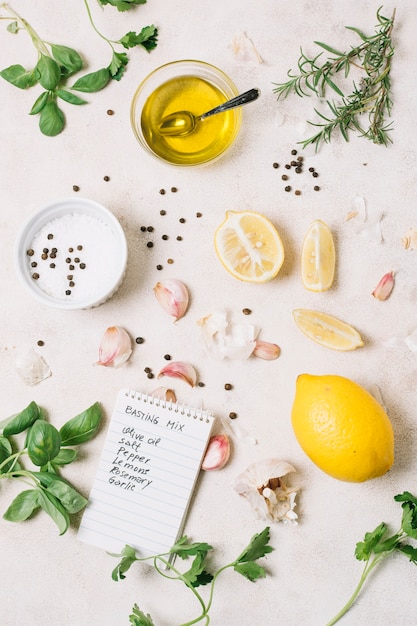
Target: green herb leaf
{"points": [[5, 452], [329, 48], [257, 547], [406, 497], [20, 77], [251, 570], [68, 59], [409, 519], [122, 5], [118, 65], [65, 456], [93, 82], [39, 103], [147, 38], [138, 618], [184, 549], [23, 420], [44, 442], [51, 505], [128, 555], [13, 27], [365, 548], [197, 575], [49, 72], [81, 428], [69, 497], [410, 552], [52, 119], [72, 98], [22, 506]]}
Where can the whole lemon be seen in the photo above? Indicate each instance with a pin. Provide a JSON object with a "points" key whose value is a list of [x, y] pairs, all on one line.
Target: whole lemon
{"points": [[342, 428]]}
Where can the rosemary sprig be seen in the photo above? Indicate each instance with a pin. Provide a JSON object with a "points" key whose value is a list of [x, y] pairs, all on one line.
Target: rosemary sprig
{"points": [[371, 97]]}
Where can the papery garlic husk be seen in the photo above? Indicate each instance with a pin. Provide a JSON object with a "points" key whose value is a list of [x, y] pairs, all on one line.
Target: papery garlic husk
{"points": [[264, 485], [32, 367], [265, 350], [217, 453], [172, 295], [180, 369], [115, 347], [384, 288], [163, 393], [222, 339], [409, 240]]}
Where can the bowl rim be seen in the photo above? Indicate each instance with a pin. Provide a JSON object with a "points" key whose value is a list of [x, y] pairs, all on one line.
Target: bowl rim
{"points": [[54, 209], [165, 66]]}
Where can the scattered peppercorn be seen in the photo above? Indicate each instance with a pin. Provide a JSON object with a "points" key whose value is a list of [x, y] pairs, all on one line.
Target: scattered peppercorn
{"points": [[232, 415], [76, 259], [35, 276], [164, 237], [159, 267], [149, 244], [275, 165], [200, 384], [150, 375], [246, 311], [297, 192], [143, 229], [44, 256], [162, 212], [67, 260], [82, 266], [75, 188], [68, 292], [106, 178], [311, 169], [298, 170], [288, 188], [52, 265], [287, 166], [79, 247], [167, 357], [71, 267], [162, 192], [50, 236], [316, 188], [40, 342], [300, 158], [70, 277], [147, 370], [294, 163], [70, 249], [110, 112], [182, 220], [179, 238], [139, 340], [170, 261], [174, 189], [228, 386], [34, 264], [199, 214], [30, 252], [284, 177], [294, 151], [71, 283], [315, 174], [149, 229]]}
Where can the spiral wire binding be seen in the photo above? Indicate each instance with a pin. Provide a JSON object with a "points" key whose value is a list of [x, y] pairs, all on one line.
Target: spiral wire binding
{"points": [[168, 404]]}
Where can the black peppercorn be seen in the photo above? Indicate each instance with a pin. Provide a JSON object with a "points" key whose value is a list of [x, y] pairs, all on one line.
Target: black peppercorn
{"points": [[164, 237], [288, 188], [297, 192], [82, 266], [159, 267], [162, 192], [174, 189], [149, 229], [284, 177], [246, 311], [182, 220], [30, 252], [275, 165], [149, 244], [167, 357], [232, 415], [294, 151], [228, 386], [75, 188], [139, 340], [162, 212]]}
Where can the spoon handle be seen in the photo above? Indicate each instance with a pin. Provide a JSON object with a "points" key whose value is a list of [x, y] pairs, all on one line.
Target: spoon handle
{"points": [[243, 98]]}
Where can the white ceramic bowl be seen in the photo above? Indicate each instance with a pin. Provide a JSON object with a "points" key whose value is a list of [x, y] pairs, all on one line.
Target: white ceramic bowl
{"points": [[71, 254]]}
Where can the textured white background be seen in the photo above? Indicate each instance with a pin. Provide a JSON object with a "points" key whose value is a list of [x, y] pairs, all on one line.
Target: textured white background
{"points": [[46, 580]]}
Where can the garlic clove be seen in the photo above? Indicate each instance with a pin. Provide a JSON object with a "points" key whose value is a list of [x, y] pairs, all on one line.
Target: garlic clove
{"points": [[164, 394], [115, 347], [217, 453], [265, 350], [180, 369], [384, 288], [172, 295]]}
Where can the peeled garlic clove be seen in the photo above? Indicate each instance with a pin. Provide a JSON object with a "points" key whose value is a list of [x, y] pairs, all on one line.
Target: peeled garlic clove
{"points": [[164, 394], [265, 350], [115, 347], [383, 289], [181, 370], [172, 295], [32, 368], [217, 453]]}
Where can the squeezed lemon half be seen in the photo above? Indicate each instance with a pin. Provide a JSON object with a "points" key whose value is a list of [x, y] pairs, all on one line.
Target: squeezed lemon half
{"points": [[318, 258], [327, 330], [249, 246]]}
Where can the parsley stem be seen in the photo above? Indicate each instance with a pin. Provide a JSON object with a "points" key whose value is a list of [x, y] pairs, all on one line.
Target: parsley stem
{"points": [[90, 17], [37, 41]]}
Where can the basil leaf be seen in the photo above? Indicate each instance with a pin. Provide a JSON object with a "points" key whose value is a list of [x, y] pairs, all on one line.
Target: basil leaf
{"points": [[49, 72], [22, 506], [65, 456], [67, 58], [81, 428], [93, 82], [39, 103], [72, 98], [55, 510], [69, 497], [19, 77], [23, 420], [44, 442], [5, 452], [52, 119]]}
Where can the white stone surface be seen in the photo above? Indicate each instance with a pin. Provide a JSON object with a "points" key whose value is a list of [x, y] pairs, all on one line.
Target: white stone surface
{"points": [[47, 580]]}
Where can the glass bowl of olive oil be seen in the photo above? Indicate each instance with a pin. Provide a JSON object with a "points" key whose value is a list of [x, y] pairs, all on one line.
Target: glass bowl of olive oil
{"points": [[193, 86]]}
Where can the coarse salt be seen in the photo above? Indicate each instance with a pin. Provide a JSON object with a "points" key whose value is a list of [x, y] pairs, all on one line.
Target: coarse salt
{"points": [[86, 250]]}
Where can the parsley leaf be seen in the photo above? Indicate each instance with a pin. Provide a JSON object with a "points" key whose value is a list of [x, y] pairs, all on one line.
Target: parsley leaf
{"points": [[121, 5], [184, 549], [138, 618], [118, 65], [147, 38], [257, 547], [365, 548], [128, 555]]}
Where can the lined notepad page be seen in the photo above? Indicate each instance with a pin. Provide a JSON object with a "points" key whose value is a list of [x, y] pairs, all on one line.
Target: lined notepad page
{"points": [[146, 475]]}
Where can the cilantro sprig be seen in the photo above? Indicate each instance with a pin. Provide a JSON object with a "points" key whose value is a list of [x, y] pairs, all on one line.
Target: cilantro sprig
{"points": [[57, 63], [49, 450], [379, 544], [197, 574]]}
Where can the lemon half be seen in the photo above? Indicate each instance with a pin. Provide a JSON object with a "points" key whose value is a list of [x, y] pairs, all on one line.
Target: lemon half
{"points": [[249, 246]]}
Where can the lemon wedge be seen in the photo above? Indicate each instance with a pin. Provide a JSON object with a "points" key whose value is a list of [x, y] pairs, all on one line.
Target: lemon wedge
{"points": [[327, 330], [249, 246], [318, 257]]}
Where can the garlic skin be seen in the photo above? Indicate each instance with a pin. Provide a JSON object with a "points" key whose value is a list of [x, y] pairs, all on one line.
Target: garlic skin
{"points": [[180, 369], [384, 288], [32, 368], [409, 240], [217, 453], [222, 339], [164, 394], [173, 296], [115, 347], [265, 350], [263, 484]]}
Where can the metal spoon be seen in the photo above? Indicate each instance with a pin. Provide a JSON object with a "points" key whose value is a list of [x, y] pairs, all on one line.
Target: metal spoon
{"points": [[183, 123]]}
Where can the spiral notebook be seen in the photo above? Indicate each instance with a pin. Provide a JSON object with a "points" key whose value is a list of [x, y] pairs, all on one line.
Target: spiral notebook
{"points": [[146, 475]]}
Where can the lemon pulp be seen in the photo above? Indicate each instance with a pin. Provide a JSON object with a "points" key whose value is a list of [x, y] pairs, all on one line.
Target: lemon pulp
{"points": [[210, 137]]}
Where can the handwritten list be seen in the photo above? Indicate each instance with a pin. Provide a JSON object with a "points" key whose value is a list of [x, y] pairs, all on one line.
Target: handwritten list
{"points": [[146, 475]]}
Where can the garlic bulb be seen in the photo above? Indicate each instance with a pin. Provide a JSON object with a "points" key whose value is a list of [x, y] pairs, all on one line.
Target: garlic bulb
{"points": [[172, 295], [263, 484], [115, 347]]}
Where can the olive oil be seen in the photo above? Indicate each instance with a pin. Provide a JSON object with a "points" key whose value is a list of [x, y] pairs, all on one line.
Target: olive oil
{"points": [[210, 137]]}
